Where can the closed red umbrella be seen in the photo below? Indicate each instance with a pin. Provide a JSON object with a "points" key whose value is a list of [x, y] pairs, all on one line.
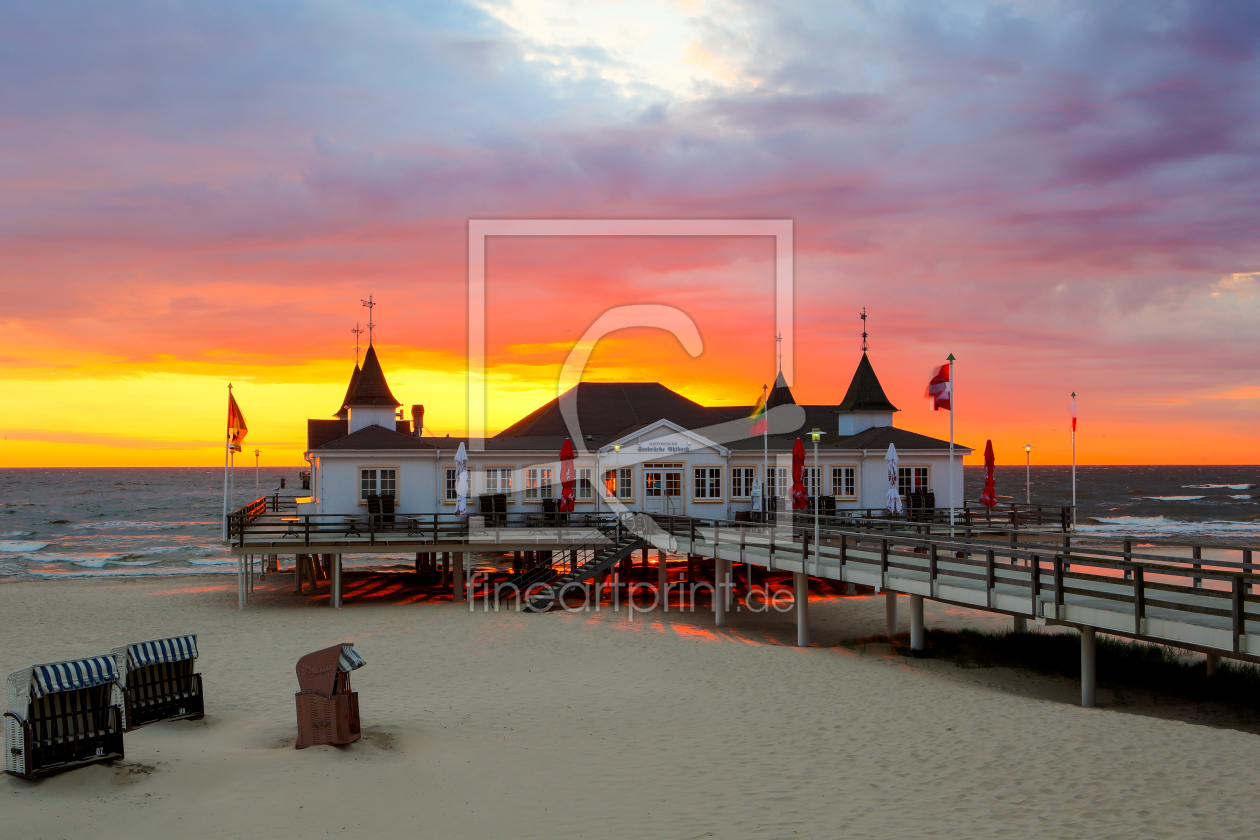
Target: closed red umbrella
{"points": [[800, 499], [988, 498], [567, 482]]}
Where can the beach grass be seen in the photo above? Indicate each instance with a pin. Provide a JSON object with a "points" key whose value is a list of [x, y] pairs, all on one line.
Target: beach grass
{"points": [[1167, 672]]}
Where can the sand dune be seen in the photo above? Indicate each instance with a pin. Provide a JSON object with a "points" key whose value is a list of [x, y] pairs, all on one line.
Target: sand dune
{"points": [[510, 726]]}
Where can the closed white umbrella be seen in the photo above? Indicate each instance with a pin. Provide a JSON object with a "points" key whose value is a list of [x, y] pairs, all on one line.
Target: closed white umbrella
{"points": [[894, 497], [461, 481]]}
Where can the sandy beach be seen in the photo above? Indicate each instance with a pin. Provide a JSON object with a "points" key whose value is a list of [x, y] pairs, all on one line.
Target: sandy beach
{"points": [[513, 725]]}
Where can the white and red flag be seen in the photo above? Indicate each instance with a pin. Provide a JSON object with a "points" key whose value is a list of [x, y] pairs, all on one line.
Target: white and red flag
{"points": [[940, 388], [1074, 411]]}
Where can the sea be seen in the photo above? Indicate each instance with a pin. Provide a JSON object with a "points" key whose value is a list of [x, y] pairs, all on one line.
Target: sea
{"points": [[132, 522]]}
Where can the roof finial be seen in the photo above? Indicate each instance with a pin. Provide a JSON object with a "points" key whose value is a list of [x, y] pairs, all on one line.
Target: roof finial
{"points": [[370, 304], [863, 317], [778, 341], [357, 332]]}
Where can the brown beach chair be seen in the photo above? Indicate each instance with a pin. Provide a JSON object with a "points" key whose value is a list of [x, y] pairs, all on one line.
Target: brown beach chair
{"points": [[63, 715], [158, 682], [327, 710]]}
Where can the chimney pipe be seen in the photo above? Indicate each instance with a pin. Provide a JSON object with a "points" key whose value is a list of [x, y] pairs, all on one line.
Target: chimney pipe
{"points": [[417, 419]]}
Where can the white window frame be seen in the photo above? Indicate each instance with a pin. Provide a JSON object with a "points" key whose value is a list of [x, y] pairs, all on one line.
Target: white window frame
{"points": [[585, 484], [747, 475], [838, 480], [778, 482], [502, 478], [913, 471], [703, 478], [539, 484], [812, 479], [377, 479], [624, 478], [450, 477]]}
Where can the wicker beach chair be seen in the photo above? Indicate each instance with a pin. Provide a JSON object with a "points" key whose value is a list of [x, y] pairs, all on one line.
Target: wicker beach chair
{"points": [[327, 710], [63, 715], [158, 682]]}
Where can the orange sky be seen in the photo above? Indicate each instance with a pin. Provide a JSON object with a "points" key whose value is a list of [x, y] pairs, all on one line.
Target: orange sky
{"points": [[193, 195]]}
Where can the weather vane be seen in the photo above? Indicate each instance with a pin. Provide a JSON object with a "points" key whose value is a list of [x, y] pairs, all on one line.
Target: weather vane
{"points": [[370, 304], [778, 342], [357, 332], [863, 317]]}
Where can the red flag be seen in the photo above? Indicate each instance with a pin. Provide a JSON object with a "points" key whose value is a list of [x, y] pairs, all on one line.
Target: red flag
{"points": [[567, 495], [988, 498], [759, 422], [800, 499], [1074, 411], [939, 388], [236, 427]]}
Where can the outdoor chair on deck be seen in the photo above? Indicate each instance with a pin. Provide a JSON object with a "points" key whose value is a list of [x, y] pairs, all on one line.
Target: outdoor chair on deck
{"points": [[500, 509], [327, 710], [158, 682], [63, 715]]}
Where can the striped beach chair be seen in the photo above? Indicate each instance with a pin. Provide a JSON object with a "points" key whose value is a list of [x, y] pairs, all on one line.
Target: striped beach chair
{"points": [[158, 682], [327, 710], [63, 715]]}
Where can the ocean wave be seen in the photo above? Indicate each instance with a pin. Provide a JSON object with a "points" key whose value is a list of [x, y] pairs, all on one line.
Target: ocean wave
{"points": [[216, 561], [119, 573], [1241, 496], [1163, 524], [1174, 498], [18, 534], [1218, 487], [15, 547], [128, 524], [90, 560]]}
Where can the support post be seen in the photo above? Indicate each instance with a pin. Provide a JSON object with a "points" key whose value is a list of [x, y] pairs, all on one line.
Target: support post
{"points": [[457, 576], [1213, 664], [662, 581], [1021, 624], [297, 574], [890, 613], [240, 582], [719, 596], [1089, 688], [916, 622], [800, 597], [336, 581]]}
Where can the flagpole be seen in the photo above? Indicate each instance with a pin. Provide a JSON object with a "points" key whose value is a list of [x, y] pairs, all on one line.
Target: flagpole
{"points": [[227, 449], [1073, 460], [765, 442], [952, 395]]}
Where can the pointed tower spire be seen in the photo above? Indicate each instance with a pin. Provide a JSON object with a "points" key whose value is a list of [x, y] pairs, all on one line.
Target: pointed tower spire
{"points": [[371, 389], [344, 411]]}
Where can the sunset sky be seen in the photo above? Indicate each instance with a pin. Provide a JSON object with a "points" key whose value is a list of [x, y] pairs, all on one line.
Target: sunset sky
{"points": [[1065, 195]]}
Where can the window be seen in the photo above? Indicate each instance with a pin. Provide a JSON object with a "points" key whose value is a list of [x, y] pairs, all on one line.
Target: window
{"points": [[585, 487], [912, 480], [708, 483], [844, 482], [619, 483], [742, 481], [451, 495], [538, 483], [811, 477], [499, 480], [377, 481], [778, 482]]}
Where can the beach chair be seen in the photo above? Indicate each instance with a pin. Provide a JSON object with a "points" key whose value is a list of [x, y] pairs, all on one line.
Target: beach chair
{"points": [[327, 710], [158, 682], [63, 715]]}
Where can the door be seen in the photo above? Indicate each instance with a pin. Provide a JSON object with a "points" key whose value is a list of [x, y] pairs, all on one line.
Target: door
{"points": [[673, 492], [653, 491]]}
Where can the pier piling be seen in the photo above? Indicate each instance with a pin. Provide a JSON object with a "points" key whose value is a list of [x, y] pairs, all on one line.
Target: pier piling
{"points": [[1088, 668]]}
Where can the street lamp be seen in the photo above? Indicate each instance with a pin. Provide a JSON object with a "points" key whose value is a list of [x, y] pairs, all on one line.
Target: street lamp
{"points": [[1028, 474], [256, 491], [814, 435]]}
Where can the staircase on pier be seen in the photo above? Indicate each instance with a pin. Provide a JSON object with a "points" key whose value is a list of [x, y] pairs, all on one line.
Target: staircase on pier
{"points": [[543, 585]]}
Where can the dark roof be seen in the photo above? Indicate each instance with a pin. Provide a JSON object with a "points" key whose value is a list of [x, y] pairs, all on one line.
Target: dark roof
{"points": [[371, 388], [780, 394], [606, 409], [865, 393], [878, 439], [375, 437], [344, 412], [320, 432]]}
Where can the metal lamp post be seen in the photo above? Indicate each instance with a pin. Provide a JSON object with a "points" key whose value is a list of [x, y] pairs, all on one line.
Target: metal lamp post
{"points": [[814, 435], [1028, 474], [256, 490]]}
